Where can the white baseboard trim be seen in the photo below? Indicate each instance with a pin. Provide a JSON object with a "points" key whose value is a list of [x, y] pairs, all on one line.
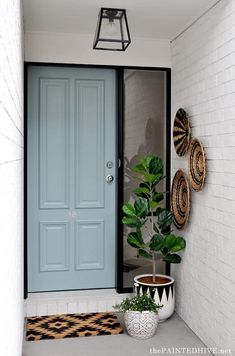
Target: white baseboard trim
{"points": [[85, 301]]}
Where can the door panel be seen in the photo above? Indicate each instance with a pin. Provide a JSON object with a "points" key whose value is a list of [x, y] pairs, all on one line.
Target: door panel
{"points": [[89, 245], [54, 234], [71, 208], [89, 143], [54, 131]]}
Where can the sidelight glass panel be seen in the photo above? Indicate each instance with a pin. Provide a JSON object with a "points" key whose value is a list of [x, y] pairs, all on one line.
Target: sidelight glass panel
{"points": [[144, 133]]}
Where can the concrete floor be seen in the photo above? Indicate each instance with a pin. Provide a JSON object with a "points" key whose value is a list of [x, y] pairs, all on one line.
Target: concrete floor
{"points": [[173, 333]]}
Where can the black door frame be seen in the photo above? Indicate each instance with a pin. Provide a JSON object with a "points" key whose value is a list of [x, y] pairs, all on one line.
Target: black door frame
{"points": [[120, 152]]}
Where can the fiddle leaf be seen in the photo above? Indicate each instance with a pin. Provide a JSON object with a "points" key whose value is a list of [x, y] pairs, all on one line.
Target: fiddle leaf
{"points": [[174, 243], [153, 178], [141, 207], [144, 253], [172, 258], [157, 242], [129, 209], [157, 197], [165, 219], [146, 162], [141, 192], [131, 221], [156, 166], [135, 239], [139, 168]]}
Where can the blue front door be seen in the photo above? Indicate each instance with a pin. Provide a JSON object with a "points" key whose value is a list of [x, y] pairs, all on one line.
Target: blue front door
{"points": [[71, 204]]}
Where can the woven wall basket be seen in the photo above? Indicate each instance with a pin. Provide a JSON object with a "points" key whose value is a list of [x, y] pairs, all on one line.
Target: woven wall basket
{"points": [[181, 132], [197, 164], [180, 199]]}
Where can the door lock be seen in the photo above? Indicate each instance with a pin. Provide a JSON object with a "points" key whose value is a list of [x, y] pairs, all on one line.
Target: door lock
{"points": [[109, 178], [109, 164]]}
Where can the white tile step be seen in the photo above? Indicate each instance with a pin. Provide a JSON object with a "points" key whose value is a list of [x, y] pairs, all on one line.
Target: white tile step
{"points": [[85, 301]]}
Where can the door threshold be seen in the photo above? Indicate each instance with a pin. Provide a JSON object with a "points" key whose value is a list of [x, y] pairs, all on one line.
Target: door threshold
{"points": [[70, 302]]}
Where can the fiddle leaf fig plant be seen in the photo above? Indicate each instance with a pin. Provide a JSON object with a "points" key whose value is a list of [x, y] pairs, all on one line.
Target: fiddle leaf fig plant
{"points": [[158, 237]]}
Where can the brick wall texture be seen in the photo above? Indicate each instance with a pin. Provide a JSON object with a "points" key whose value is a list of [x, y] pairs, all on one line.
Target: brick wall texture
{"points": [[203, 70], [11, 176]]}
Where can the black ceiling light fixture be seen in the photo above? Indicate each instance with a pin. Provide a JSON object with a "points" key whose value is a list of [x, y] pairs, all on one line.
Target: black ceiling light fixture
{"points": [[112, 31]]}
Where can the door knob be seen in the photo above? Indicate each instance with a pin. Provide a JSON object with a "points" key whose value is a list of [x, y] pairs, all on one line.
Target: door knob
{"points": [[109, 178]]}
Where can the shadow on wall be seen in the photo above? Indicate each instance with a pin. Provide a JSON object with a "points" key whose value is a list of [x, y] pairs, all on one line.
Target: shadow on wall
{"points": [[154, 140]]}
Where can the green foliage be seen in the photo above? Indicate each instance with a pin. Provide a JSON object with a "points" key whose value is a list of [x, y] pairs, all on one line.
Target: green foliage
{"points": [[172, 258], [157, 242], [144, 253], [141, 207], [129, 210], [174, 243], [138, 303], [165, 219], [149, 171], [135, 239], [132, 222], [141, 192]]}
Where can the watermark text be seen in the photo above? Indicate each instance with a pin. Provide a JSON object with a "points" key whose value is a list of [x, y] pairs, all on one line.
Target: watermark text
{"points": [[189, 351]]}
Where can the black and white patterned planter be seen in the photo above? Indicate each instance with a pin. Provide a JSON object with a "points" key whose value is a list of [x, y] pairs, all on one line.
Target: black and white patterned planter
{"points": [[141, 325], [163, 294]]}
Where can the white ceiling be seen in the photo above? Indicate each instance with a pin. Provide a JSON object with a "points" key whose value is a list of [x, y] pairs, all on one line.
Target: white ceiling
{"points": [[147, 18]]}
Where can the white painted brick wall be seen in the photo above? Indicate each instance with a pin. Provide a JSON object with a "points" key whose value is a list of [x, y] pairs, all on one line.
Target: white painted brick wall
{"points": [[11, 175], [203, 69]]}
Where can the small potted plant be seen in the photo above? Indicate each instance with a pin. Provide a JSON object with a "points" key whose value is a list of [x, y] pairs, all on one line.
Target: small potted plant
{"points": [[150, 233], [140, 315]]}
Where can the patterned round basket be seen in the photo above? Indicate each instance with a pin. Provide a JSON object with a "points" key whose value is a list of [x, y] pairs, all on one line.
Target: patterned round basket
{"points": [[197, 165], [180, 199], [181, 132]]}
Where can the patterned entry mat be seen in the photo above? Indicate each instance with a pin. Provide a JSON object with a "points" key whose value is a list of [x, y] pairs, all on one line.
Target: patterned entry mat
{"points": [[72, 325]]}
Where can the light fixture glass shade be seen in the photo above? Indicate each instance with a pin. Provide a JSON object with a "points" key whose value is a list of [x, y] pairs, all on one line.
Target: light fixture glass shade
{"points": [[112, 31]]}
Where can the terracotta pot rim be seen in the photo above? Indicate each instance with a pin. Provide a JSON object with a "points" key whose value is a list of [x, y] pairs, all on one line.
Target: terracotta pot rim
{"points": [[154, 285]]}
